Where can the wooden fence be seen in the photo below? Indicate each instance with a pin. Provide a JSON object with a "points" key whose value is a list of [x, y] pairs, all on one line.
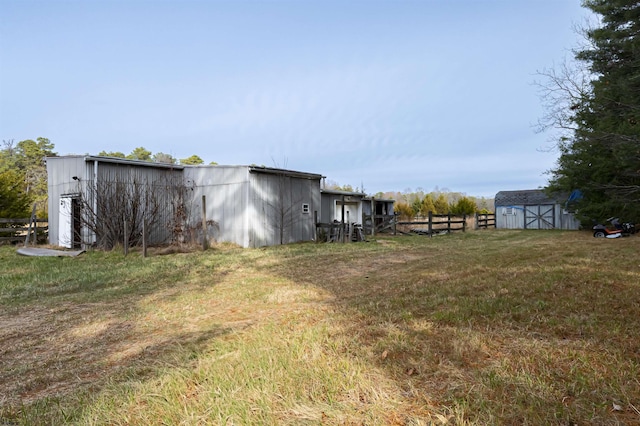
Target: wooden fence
{"points": [[485, 220], [435, 224], [18, 230]]}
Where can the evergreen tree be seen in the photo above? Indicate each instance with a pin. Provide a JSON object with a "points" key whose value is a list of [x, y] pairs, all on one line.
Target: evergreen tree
{"points": [[441, 204], [193, 160], [25, 175], [416, 205], [601, 157], [427, 205], [140, 153], [116, 154], [161, 157], [403, 210], [464, 205], [14, 202]]}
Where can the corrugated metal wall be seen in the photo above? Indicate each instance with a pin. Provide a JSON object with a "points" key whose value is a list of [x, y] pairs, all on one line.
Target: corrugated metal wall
{"points": [[226, 190], [60, 172], [158, 193], [276, 208], [242, 207], [161, 188]]}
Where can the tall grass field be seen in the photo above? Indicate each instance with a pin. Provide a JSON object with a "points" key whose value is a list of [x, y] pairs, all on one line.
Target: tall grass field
{"points": [[476, 328]]}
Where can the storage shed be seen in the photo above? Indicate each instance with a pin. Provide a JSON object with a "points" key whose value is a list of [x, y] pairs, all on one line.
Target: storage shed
{"points": [[533, 209], [247, 205]]}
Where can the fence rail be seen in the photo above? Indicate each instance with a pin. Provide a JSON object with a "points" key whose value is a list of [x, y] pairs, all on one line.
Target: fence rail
{"points": [[436, 224], [17, 230], [485, 220]]}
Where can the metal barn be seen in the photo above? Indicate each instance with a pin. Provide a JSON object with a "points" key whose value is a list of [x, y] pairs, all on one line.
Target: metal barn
{"points": [[245, 205], [532, 209]]}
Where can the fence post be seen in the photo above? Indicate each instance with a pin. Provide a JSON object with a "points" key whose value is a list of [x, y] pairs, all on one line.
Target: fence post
{"points": [[430, 225], [395, 223], [373, 216], [342, 220], [144, 237], [464, 222], [315, 226], [31, 221], [448, 222], [126, 238], [205, 243]]}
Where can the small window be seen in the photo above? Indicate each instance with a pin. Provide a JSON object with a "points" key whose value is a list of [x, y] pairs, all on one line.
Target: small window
{"points": [[509, 211], [305, 208]]}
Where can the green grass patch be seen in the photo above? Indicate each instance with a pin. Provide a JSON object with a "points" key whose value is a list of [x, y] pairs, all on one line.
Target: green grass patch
{"points": [[496, 327]]}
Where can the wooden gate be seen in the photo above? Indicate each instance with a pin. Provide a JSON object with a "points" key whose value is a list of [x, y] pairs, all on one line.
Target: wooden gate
{"points": [[539, 217]]}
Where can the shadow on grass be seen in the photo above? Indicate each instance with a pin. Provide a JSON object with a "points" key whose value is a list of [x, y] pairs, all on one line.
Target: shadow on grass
{"points": [[69, 326], [503, 329], [485, 328]]}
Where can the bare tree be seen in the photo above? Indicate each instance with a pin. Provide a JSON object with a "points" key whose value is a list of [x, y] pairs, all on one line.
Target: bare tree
{"points": [[158, 207], [283, 208], [563, 90]]}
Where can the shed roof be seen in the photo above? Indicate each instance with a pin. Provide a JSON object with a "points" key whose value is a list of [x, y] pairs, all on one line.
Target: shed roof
{"points": [[117, 160], [341, 192], [285, 172], [526, 197], [354, 194]]}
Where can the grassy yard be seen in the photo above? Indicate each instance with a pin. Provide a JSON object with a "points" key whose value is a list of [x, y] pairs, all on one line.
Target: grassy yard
{"points": [[495, 327]]}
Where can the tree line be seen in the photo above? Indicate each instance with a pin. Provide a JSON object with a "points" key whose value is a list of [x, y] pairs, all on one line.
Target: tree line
{"points": [[23, 182], [594, 105], [143, 154], [23, 177], [411, 204], [23, 173]]}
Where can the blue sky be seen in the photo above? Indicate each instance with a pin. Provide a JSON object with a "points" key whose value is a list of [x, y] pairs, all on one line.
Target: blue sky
{"points": [[386, 94]]}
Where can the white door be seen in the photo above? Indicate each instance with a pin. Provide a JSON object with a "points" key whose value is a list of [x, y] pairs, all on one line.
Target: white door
{"points": [[65, 223]]}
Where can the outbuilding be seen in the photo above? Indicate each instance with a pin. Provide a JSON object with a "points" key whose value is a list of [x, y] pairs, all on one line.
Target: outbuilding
{"points": [[99, 201], [533, 209]]}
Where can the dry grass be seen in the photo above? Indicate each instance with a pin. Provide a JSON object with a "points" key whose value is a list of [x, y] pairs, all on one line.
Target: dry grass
{"points": [[498, 327]]}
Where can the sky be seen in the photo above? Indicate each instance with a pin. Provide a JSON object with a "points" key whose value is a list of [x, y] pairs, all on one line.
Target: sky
{"points": [[385, 95]]}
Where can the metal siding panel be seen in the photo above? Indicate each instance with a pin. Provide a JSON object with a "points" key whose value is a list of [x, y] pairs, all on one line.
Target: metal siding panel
{"points": [[326, 208], [60, 172], [225, 189], [265, 201], [303, 222], [160, 185], [276, 202]]}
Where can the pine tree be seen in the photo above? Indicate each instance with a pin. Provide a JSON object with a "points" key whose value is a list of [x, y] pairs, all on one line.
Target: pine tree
{"points": [[24, 176], [441, 204], [427, 205], [464, 205], [602, 156], [193, 160]]}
